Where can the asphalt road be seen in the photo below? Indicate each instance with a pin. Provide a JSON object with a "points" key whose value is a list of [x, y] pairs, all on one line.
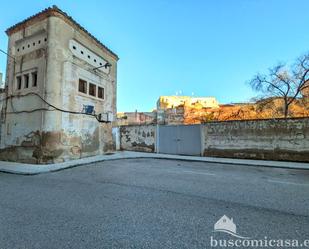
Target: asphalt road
{"points": [[151, 203]]}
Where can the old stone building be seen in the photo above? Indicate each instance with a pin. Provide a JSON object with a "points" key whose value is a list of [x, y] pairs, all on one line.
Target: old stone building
{"points": [[60, 82], [166, 102], [175, 110]]}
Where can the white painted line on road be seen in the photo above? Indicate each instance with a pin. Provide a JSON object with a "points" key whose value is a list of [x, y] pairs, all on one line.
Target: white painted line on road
{"points": [[288, 183]]}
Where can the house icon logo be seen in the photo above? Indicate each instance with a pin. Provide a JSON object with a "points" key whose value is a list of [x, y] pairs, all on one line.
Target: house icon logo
{"points": [[227, 225]]}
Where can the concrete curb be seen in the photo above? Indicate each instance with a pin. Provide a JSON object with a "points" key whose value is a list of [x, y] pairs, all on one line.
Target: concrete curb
{"points": [[34, 169], [233, 161]]}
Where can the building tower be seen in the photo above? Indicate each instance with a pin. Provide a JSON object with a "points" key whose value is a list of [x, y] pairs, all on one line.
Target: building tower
{"points": [[59, 78]]}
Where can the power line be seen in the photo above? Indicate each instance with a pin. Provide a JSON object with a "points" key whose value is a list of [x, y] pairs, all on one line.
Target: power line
{"points": [[46, 109], [106, 65], [30, 111], [55, 108], [7, 54]]}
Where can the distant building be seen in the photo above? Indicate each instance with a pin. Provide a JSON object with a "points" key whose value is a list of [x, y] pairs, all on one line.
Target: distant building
{"points": [[136, 118], [171, 110], [177, 109], [166, 102], [62, 77]]}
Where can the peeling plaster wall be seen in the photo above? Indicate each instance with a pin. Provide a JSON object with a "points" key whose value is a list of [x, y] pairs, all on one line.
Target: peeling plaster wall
{"points": [[261, 139], [85, 136], [20, 131], [53, 136], [138, 138]]}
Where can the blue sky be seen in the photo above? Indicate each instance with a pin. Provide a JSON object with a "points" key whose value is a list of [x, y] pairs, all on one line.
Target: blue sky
{"points": [[200, 47]]}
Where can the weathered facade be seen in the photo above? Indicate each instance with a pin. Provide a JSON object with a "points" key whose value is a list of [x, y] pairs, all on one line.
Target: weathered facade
{"points": [[59, 77], [138, 138], [281, 139]]}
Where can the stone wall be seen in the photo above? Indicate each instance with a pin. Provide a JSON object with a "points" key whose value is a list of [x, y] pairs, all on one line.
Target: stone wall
{"points": [[138, 138], [259, 139], [249, 139]]}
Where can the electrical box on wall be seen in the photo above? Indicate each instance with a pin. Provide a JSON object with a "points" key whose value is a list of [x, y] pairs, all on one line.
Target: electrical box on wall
{"points": [[106, 117], [88, 109]]}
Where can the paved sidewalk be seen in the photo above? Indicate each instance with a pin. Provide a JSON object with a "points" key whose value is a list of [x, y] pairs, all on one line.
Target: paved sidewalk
{"points": [[33, 169]]}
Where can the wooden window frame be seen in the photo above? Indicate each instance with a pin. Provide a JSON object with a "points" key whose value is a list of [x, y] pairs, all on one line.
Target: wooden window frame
{"points": [[84, 88], [90, 87]]}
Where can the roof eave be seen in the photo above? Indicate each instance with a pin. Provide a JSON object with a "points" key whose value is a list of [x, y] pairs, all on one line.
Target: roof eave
{"points": [[55, 11]]}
